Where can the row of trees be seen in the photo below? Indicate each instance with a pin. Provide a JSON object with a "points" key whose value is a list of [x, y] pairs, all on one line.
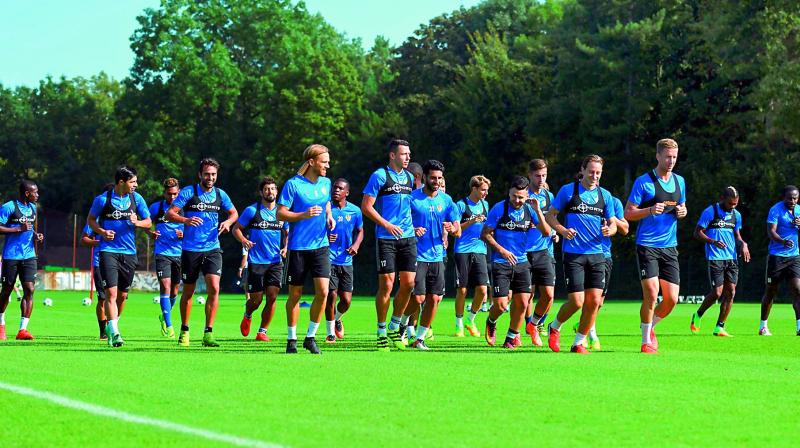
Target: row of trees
{"points": [[482, 89]]}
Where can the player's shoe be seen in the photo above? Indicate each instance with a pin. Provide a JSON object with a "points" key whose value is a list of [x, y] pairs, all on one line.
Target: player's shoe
{"points": [[208, 340], [536, 339], [764, 332], [397, 341], [542, 329], [338, 328], [459, 332], [653, 338], [291, 346], [594, 344], [649, 349], [429, 334], [509, 344], [472, 328], [3, 336], [330, 339], [580, 349], [517, 341], [720, 331], [554, 339], [116, 340], [489, 333], [244, 326], [419, 344], [164, 331], [694, 326], [109, 337], [183, 339], [383, 344], [24, 335], [530, 328], [310, 344], [262, 337]]}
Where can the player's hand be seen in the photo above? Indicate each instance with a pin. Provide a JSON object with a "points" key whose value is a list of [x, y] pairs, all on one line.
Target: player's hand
{"points": [[657, 209], [283, 253], [681, 211], [155, 234], [721, 244], [396, 231], [313, 211], [419, 231], [479, 218], [247, 244], [194, 221], [788, 243], [533, 202], [332, 237], [605, 229], [134, 219], [796, 221], [25, 226], [107, 235], [179, 234], [555, 237], [331, 222], [224, 227], [508, 256], [352, 250], [241, 272], [39, 237], [745, 253], [449, 227], [569, 233], [445, 243]]}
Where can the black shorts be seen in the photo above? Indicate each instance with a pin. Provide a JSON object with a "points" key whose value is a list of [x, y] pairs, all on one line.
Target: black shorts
{"points": [[471, 270], [722, 271], [543, 268], [193, 263], [397, 255], [98, 283], [584, 271], [782, 268], [609, 267], [314, 261], [117, 270], [341, 279], [658, 262], [168, 267], [262, 276], [505, 278], [430, 278], [25, 269]]}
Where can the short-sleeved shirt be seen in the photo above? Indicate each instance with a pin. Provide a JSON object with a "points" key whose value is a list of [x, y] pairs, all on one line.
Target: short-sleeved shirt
{"points": [[204, 237], [783, 217], [470, 241], [395, 208], [513, 241], [720, 225], [124, 241], [589, 238], [348, 220], [266, 236], [298, 195], [167, 243], [619, 213], [18, 246], [96, 250], [431, 213], [537, 241], [657, 231]]}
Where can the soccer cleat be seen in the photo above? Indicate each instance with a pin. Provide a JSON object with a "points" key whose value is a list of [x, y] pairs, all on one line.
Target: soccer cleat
{"points": [[103, 336], [262, 337], [489, 333], [164, 331], [244, 326], [419, 344], [720, 331], [554, 339], [764, 332], [536, 339], [339, 329], [310, 344], [580, 349], [383, 344], [3, 336], [594, 344], [397, 341], [170, 332], [542, 329], [208, 340], [653, 338], [694, 326], [24, 335], [510, 344], [649, 349], [109, 339], [530, 328], [459, 332], [330, 339], [429, 334], [291, 346], [183, 339], [517, 341], [472, 328], [116, 340]]}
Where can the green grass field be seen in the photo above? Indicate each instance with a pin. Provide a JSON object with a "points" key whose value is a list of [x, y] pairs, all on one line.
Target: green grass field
{"points": [[699, 391]]}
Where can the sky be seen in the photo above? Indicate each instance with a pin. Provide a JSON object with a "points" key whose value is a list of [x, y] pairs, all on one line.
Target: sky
{"points": [[84, 37]]}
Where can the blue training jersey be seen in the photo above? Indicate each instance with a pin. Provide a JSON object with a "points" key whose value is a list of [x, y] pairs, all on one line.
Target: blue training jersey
{"points": [[18, 246], [167, 243], [783, 218], [262, 227], [584, 213], [511, 229], [658, 231], [298, 195], [95, 250], [619, 213], [431, 213], [470, 241], [116, 216], [392, 199], [537, 241], [207, 205], [720, 225], [348, 220]]}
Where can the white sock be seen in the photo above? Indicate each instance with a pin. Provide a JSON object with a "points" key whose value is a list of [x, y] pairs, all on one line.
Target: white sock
{"points": [[460, 322], [404, 319], [579, 338], [472, 316], [262, 330], [330, 324], [656, 320], [2, 318], [410, 331], [593, 333], [646, 327], [312, 329], [23, 323], [421, 332], [763, 325], [113, 324], [511, 334], [555, 324], [338, 315], [292, 333]]}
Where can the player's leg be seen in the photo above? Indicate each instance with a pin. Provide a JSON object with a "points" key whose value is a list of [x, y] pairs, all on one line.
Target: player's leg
{"points": [[319, 266], [501, 285], [5, 296], [345, 289], [211, 268], [386, 255], [268, 312], [434, 290], [25, 307], [100, 308], [519, 303], [330, 305], [725, 304], [794, 286], [164, 275], [406, 264], [462, 275], [255, 288], [191, 263]]}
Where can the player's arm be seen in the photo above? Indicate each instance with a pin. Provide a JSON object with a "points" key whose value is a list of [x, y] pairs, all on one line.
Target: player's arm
{"points": [[608, 227], [284, 242], [452, 228], [284, 214], [552, 221], [239, 235], [741, 245], [107, 235], [542, 225], [88, 241], [700, 235], [225, 226], [173, 215], [634, 213], [329, 216], [772, 234], [21, 228], [487, 234], [368, 210]]}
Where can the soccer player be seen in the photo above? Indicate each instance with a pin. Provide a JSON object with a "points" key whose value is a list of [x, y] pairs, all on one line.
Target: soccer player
{"points": [[91, 239], [305, 204], [783, 263], [265, 245], [540, 254], [471, 268], [115, 215], [345, 241], [657, 201], [201, 204], [167, 252], [506, 231], [17, 223], [387, 202], [588, 212], [433, 213], [718, 228]]}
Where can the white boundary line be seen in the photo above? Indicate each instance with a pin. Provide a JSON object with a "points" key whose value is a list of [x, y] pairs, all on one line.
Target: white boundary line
{"points": [[131, 418]]}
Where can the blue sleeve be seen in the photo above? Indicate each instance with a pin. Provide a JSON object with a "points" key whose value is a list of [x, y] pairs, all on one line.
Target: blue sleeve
{"points": [[534, 216], [5, 212], [375, 183], [183, 197], [705, 218], [738, 220], [359, 224], [461, 208], [97, 206], [154, 208], [682, 184], [772, 217], [562, 198], [637, 192], [87, 230], [610, 209], [287, 195], [246, 216], [455, 212], [141, 206], [619, 209], [494, 215], [227, 204]]}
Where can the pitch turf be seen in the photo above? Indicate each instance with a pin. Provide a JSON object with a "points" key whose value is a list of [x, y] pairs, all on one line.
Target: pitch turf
{"points": [[700, 390]]}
